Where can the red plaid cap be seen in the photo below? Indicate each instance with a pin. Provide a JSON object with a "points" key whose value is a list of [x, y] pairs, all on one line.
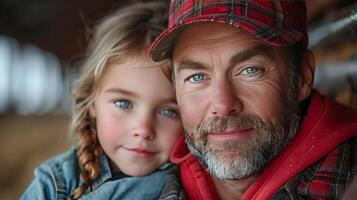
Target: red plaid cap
{"points": [[278, 22]]}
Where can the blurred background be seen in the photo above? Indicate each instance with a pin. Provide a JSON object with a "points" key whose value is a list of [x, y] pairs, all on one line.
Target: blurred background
{"points": [[41, 40]]}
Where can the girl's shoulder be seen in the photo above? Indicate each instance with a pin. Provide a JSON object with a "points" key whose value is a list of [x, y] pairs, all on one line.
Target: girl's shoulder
{"points": [[54, 178], [63, 169], [62, 166], [66, 159]]}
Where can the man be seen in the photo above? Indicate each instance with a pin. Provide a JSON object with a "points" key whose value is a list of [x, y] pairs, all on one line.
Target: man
{"points": [[243, 78]]}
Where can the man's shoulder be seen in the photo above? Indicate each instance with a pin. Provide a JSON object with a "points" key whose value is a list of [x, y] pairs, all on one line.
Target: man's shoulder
{"points": [[339, 113], [325, 179], [330, 175], [329, 119], [353, 143]]}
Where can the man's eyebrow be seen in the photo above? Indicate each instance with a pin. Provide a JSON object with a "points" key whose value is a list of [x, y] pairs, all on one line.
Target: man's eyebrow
{"points": [[188, 64], [237, 58], [251, 52], [172, 100]]}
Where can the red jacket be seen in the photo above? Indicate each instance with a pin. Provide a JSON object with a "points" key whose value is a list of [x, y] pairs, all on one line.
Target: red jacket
{"points": [[326, 125]]}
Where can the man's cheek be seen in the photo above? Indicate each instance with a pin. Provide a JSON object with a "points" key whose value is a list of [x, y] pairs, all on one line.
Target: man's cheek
{"points": [[193, 109]]}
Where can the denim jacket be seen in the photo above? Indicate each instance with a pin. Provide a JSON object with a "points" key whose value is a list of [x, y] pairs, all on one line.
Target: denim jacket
{"points": [[58, 177]]}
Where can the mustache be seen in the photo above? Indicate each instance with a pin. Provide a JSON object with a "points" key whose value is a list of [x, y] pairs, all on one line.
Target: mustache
{"points": [[220, 124]]}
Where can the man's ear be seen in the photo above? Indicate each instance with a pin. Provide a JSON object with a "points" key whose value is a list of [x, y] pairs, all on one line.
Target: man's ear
{"points": [[307, 73]]}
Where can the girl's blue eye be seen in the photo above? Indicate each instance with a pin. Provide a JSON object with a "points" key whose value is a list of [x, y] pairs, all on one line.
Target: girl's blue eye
{"points": [[123, 104], [197, 78], [168, 112]]}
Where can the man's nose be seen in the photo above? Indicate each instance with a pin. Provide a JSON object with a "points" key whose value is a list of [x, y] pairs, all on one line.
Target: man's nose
{"points": [[225, 100], [144, 128]]}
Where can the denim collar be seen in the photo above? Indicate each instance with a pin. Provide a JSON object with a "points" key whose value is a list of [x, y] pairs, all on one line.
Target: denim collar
{"points": [[106, 173]]}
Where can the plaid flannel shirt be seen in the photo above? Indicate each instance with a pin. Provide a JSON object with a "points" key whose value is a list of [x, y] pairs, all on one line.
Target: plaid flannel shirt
{"points": [[326, 179]]}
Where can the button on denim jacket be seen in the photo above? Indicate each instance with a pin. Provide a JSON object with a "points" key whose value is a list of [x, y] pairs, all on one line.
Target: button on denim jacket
{"points": [[58, 177]]}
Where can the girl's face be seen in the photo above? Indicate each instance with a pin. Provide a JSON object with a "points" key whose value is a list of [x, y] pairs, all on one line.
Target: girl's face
{"points": [[137, 116]]}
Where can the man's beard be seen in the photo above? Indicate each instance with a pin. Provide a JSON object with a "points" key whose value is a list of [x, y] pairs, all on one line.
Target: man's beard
{"points": [[237, 159]]}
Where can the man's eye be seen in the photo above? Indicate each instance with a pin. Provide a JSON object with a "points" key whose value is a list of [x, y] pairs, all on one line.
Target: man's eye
{"points": [[251, 71], [123, 104], [168, 112], [196, 78]]}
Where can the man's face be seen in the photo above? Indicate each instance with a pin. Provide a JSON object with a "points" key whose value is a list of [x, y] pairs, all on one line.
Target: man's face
{"points": [[236, 97]]}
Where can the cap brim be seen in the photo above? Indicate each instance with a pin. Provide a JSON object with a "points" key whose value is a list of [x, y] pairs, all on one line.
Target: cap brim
{"points": [[160, 49]]}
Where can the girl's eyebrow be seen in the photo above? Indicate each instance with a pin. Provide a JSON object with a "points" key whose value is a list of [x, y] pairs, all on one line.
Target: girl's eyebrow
{"points": [[120, 91], [129, 93]]}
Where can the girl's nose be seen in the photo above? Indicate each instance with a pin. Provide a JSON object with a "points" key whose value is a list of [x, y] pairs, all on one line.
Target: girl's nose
{"points": [[144, 129]]}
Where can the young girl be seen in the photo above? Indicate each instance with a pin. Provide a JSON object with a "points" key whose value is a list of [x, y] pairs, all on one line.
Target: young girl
{"points": [[125, 117]]}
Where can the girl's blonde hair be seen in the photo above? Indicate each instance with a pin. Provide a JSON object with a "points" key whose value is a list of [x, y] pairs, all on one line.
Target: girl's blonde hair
{"points": [[117, 37]]}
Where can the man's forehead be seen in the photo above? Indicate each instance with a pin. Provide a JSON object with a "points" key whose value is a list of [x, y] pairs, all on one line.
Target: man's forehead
{"points": [[210, 30], [210, 36]]}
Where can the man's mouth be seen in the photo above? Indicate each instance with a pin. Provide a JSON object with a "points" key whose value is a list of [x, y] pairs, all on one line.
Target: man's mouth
{"points": [[236, 134]]}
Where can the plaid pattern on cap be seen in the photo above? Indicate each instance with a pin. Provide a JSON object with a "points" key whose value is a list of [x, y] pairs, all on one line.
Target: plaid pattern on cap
{"points": [[278, 22]]}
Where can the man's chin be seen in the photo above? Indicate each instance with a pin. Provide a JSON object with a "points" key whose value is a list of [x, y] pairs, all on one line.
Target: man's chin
{"points": [[231, 165], [227, 155], [228, 162]]}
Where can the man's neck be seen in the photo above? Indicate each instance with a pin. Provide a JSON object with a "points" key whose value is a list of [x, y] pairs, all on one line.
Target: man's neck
{"points": [[232, 189]]}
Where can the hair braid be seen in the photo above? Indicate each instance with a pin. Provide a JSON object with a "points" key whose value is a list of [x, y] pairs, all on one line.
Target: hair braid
{"points": [[88, 154]]}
